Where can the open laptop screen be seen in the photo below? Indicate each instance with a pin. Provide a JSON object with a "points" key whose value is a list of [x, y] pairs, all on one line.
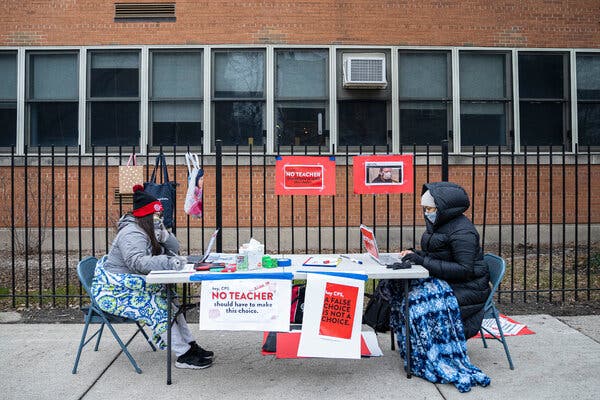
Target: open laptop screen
{"points": [[368, 240], [211, 243]]}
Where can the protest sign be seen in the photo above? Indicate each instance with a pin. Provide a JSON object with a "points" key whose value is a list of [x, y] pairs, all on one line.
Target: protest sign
{"points": [[379, 174], [249, 302], [305, 175], [332, 315]]}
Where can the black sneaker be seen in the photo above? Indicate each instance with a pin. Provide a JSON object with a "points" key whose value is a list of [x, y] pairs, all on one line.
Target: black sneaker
{"points": [[190, 360], [200, 352]]}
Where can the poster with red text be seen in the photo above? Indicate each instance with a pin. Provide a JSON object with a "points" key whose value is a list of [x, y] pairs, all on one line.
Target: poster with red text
{"points": [[332, 320], [381, 174], [249, 302], [305, 175], [339, 304]]}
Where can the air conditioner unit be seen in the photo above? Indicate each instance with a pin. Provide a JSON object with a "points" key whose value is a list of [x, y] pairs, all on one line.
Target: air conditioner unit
{"points": [[364, 71]]}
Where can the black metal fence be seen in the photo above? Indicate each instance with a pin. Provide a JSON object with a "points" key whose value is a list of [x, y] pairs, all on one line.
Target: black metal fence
{"points": [[537, 209]]}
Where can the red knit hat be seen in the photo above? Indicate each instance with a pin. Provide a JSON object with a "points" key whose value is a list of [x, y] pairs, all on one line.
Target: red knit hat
{"points": [[144, 203]]}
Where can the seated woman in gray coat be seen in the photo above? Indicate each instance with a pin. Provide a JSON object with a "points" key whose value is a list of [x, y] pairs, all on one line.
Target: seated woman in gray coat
{"points": [[446, 308], [142, 245]]}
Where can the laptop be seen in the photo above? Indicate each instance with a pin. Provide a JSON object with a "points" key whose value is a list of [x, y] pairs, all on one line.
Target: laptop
{"points": [[195, 259], [370, 244]]}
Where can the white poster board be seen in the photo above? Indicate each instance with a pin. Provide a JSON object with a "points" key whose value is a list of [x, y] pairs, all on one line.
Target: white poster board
{"points": [[332, 320], [246, 302]]}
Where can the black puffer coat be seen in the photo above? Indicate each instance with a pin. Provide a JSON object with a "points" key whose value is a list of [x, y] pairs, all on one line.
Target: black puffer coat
{"points": [[451, 252]]}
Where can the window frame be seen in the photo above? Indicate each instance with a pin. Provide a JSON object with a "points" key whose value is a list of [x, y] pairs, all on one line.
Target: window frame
{"points": [[592, 147], [290, 99], [29, 101], [157, 100], [507, 100], [89, 100], [447, 101]]}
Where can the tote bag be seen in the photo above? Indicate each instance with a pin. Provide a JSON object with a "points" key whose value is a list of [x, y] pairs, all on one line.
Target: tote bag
{"points": [[165, 191], [130, 175]]}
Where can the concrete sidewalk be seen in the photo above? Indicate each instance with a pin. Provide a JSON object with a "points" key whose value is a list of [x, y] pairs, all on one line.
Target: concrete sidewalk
{"points": [[561, 361]]}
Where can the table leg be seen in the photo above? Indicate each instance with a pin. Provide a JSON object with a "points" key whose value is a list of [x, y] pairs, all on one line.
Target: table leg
{"points": [[169, 299], [407, 328]]}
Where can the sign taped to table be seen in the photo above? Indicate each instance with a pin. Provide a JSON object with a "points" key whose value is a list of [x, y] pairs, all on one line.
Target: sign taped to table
{"points": [[246, 302], [332, 315]]}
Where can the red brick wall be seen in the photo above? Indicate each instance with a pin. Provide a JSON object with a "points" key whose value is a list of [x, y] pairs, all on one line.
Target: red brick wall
{"points": [[460, 174], [512, 23]]}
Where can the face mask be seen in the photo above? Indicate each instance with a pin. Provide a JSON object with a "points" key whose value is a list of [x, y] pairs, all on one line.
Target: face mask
{"points": [[431, 216], [387, 175]]}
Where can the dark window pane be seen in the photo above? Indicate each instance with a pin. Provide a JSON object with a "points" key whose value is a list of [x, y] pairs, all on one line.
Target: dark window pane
{"points": [[300, 126], [541, 76], [53, 124], [177, 123], [423, 123], [114, 123], [362, 123], [589, 124], [239, 122], [541, 124], [8, 72], [114, 75], [8, 124], [588, 77], [482, 124]]}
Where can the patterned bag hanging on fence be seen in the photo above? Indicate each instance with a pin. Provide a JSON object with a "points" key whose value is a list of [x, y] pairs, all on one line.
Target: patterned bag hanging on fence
{"points": [[130, 175], [193, 198]]}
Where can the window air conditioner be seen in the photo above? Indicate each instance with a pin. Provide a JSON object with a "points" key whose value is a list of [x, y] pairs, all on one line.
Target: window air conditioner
{"points": [[364, 71]]}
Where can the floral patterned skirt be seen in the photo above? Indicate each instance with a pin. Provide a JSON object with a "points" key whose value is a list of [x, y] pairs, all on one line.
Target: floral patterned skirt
{"points": [[128, 295], [439, 349]]}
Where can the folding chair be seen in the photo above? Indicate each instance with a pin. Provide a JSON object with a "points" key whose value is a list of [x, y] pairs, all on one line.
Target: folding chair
{"points": [[85, 271], [496, 266]]}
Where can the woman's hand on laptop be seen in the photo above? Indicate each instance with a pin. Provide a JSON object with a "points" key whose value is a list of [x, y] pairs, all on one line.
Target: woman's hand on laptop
{"points": [[404, 252]]}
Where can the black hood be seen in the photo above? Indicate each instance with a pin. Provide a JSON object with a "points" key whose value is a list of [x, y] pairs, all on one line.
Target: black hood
{"points": [[450, 199]]}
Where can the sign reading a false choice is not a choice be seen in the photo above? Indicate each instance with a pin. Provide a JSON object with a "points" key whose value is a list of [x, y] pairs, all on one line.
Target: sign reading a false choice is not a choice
{"points": [[305, 175]]}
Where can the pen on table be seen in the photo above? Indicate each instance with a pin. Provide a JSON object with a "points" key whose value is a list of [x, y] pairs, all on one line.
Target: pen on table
{"points": [[351, 259]]}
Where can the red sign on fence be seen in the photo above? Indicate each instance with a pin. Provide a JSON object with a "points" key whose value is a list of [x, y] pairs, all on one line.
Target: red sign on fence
{"points": [[383, 174], [305, 175]]}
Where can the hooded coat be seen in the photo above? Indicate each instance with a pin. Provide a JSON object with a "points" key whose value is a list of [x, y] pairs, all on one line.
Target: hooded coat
{"points": [[131, 250], [451, 251]]}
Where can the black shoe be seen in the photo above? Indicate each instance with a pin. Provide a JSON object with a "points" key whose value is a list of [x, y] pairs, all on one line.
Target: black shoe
{"points": [[190, 360], [200, 352]]}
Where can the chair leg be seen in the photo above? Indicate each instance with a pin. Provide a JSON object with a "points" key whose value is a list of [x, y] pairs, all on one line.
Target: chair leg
{"points": [[503, 339], [99, 336], [82, 342], [141, 328], [393, 345], [124, 346], [482, 333]]}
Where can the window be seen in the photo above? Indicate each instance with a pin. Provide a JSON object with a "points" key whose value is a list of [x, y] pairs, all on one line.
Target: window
{"points": [[301, 98], [588, 99], [485, 99], [113, 98], [52, 99], [176, 98], [543, 91], [8, 99], [425, 97], [364, 114], [239, 97]]}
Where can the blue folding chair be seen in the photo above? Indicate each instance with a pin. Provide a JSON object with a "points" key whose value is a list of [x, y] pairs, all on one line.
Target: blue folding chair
{"points": [[496, 266], [85, 271]]}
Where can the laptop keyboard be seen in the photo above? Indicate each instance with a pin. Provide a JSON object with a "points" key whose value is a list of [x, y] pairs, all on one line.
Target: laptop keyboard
{"points": [[389, 259]]}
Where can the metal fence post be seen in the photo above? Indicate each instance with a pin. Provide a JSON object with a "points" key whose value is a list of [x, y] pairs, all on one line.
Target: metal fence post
{"points": [[445, 160], [219, 194]]}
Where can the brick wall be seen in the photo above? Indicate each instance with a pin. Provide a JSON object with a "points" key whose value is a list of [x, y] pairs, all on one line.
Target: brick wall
{"points": [[510, 23], [238, 200]]}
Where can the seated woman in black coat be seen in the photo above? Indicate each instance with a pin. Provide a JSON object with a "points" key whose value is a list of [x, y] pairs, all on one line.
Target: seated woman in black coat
{"points": [[447, 307]]}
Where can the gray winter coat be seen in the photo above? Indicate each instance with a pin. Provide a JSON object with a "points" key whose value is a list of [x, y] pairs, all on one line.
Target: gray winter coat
{"points": [[131, 251]]}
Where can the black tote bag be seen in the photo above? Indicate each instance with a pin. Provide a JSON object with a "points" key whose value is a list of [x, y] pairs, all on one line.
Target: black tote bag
{"points": [[165, 191]]}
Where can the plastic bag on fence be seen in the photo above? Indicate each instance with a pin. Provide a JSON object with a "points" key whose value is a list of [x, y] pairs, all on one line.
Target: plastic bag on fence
{"points": [[193, 197]]}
